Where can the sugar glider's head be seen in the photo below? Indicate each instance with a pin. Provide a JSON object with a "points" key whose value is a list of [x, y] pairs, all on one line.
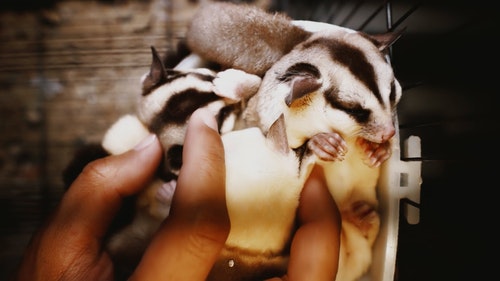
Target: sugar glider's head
{"points": [[338, 80], [170, 96]]}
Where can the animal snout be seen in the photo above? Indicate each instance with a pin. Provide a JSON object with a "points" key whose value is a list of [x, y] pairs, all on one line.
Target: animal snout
{"points": [[387, 133]]}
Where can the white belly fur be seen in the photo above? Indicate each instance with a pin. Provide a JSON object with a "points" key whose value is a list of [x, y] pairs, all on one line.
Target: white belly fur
{"points": [[352, 181], [262, 192]]}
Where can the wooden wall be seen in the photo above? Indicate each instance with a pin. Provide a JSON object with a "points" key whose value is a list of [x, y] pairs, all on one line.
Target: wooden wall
{"points": [[66, 73]]}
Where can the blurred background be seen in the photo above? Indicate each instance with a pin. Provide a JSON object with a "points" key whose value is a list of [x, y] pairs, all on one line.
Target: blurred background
{"points": [[69, 69]]}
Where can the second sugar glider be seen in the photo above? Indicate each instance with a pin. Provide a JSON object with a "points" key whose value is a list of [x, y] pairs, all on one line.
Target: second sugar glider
{"points": [[168, 98], [326, 81]]}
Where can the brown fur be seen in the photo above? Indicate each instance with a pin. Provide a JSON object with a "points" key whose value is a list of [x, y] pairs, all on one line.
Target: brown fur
{"points": [[230, 25]]}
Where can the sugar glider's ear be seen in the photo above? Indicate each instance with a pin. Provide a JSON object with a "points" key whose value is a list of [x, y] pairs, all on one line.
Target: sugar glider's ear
{"points": [[156, 74], [303, 78], [277, 135], [300, 87], [385, 40]]}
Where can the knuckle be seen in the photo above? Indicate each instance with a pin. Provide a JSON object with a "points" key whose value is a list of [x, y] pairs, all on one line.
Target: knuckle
{"points": [[98, 171], [206, 238]]}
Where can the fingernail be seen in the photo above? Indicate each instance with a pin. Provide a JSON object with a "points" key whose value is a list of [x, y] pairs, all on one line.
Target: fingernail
{"points": [[166, 192], [145, 142], [207, 117]]}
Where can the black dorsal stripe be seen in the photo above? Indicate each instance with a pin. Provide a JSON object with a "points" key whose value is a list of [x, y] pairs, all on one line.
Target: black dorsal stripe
{"points": [[301, 68], [204, 77], [180, 106], [177, 74], [172, 75], [352, 58]]}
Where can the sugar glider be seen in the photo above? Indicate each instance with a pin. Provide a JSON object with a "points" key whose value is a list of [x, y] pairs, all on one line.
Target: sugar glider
{"points": [[259, 169], [169, 96], [325, 80], [217, 27], [264, 178]]}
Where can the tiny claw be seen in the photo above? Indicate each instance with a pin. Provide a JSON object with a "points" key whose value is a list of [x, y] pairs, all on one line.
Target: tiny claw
{"points": [[375, 153], [369, 153], [328, 146]]}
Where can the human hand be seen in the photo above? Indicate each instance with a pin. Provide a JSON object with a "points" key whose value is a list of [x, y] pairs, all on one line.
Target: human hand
{"points": [[314, 253], [69, 246]]}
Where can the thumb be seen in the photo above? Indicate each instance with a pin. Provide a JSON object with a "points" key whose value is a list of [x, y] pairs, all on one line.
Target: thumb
{"points": [[190, 240], [96, 195]]}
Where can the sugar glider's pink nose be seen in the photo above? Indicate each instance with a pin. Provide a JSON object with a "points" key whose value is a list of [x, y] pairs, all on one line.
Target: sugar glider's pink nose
{"points": [[387, 133]]}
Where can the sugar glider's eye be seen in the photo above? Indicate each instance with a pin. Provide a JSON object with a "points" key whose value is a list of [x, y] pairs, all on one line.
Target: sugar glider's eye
{"points": [[353, 109], [361, 115]]}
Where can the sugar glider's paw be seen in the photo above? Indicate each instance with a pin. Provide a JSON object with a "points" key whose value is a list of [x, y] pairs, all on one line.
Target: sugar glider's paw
{"points": [[165, 193], [365, 217], [160, 207], [236, 84], [328, 146], [375, 153]]}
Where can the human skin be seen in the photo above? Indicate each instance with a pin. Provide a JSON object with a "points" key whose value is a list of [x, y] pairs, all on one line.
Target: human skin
{"points": [[69, 245]]}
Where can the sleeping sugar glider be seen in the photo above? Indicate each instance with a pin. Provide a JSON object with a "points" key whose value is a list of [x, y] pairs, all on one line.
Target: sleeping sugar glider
{"points": [[326, 81], [169, 96], [259, 169]]}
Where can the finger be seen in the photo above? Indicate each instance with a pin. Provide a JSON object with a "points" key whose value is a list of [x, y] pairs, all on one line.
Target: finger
{"points": [[69, 243], [188, 243], [96, 195], [315, 246]]}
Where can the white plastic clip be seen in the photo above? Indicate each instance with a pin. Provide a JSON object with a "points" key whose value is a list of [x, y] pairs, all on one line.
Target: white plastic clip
{"points": [[411, 180]]}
